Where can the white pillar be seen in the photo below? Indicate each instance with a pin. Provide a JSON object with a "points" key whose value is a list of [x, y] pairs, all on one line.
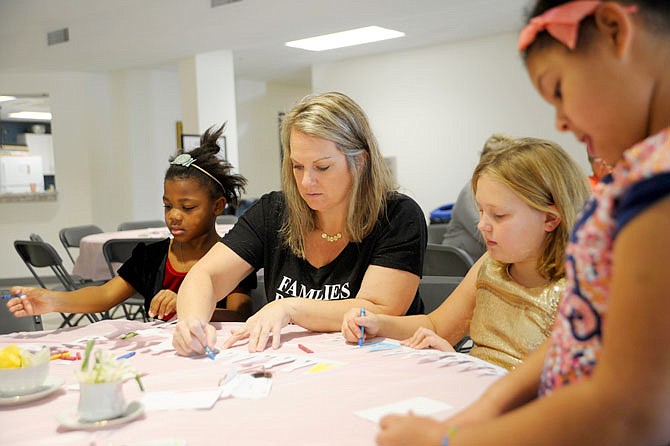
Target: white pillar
{"points": [[208, 96]]}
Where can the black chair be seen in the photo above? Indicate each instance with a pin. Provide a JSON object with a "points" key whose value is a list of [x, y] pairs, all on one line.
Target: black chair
{"points": [[435, 289], [116, 252], [130, 225], [39, 254], [442, 260], [70, 237], [11, 324], [436, 232]]}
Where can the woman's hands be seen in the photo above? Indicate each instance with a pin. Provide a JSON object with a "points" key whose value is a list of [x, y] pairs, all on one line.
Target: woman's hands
{"points": [[163, 305], [191, 336], [30, 301], [427, 338], [258, 328], [352, 321]]}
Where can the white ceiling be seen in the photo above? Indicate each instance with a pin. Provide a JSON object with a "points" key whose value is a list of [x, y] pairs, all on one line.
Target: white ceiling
{"points": [[121, 34]]}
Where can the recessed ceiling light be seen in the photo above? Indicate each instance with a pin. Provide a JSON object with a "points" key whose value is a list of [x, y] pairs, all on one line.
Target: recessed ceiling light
{"points": [[345, 38], [7, 98], [41, 116]]}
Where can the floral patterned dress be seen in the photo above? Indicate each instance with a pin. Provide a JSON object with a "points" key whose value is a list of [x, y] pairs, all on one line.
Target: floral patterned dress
{"points": [[639, 180]]}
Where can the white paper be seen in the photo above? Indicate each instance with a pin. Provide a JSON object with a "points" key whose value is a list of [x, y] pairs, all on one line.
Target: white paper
{"points": [[199, 399], [247, 387], [419, 406]]}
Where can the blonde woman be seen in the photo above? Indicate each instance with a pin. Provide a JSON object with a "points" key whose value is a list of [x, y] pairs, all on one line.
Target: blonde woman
{"points": [[337, 237], [528, 192]]}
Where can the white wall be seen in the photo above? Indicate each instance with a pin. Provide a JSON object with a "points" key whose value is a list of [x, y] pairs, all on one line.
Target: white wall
{"points": [[112, 135], [433, 108], [258, 106], [76, 101]]}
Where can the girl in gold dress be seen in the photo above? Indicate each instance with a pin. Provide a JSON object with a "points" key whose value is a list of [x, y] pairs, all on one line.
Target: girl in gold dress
{"points": [[528, 193]]}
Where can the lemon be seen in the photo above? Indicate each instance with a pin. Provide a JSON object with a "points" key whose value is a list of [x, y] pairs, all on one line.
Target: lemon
{"points": [[10, 357]]}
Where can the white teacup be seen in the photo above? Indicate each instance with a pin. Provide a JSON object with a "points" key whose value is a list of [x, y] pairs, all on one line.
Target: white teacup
{"points": [[101, 401]]}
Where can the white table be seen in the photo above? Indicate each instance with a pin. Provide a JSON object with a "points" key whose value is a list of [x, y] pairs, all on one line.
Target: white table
{"points": [[90, 263], [303, 408]]}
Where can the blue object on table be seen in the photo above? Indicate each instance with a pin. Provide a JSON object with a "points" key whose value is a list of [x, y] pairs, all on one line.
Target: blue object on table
{"points": [[362, 338], [441, 214]]}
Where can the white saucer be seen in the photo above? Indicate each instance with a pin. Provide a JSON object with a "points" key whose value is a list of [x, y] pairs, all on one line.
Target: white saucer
{"points": [[51, 384], [70, 418]]}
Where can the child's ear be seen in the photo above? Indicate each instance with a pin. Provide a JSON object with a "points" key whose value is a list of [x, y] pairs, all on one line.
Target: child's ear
{"points": [[219, 205], [552, 220], [616, 24]]}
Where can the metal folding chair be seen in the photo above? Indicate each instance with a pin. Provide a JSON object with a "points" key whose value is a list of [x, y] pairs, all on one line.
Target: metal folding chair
{"points": [[39, 254], [442, 260], [117, 251], [129, 225], [12, 324], [70, 237]]}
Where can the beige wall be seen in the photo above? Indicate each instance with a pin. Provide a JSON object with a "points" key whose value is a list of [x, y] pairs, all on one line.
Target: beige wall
{"points": [[433, 108]]}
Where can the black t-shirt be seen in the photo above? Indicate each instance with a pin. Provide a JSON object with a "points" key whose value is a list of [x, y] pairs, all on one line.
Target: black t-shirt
{"points": [[145, 270], [397, 241]]}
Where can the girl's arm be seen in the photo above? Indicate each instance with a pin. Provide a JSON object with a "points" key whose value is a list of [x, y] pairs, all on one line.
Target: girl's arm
{"points": [[92, 299], [239, 301], [512, 391], [451, 320], [626, 400]]}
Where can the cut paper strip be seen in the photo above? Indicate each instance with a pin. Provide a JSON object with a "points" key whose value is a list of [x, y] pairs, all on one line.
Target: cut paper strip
{"points": [[279, 360], [419, 406], [164, 346], [246, 386], [384, 346], [299, 363]]}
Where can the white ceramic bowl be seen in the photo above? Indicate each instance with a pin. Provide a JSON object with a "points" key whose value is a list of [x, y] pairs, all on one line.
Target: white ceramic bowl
{"points": [[24, 380]]}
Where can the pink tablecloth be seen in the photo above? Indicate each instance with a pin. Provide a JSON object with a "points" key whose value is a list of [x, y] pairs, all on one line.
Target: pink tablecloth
{"points": [[302, 408], [90, 263]]}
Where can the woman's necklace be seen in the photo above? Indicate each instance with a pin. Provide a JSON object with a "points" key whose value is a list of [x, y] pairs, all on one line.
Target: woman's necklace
{"points": [[331, 238]]}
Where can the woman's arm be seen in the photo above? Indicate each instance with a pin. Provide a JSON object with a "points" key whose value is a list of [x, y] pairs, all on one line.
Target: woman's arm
{"points": [[217, 273], [92, 299], [383, 290], [451, 320]]}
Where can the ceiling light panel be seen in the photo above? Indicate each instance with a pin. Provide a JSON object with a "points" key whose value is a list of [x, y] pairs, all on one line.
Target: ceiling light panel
{"points": [[342, 39]]}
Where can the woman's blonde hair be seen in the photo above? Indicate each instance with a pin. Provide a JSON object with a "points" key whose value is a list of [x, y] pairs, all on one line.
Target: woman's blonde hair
{"points": [[542, 174], [337, 118]]}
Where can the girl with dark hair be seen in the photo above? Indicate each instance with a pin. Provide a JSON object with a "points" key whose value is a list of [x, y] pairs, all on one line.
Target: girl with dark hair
{"points": [[197, 187]]}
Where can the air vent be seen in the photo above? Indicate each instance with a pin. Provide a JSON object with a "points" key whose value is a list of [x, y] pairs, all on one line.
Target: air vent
{"points": [[216, 3], [59, 36]]}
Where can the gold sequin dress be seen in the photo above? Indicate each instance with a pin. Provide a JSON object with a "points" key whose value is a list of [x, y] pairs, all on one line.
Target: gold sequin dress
{"points": [[510, 320]]}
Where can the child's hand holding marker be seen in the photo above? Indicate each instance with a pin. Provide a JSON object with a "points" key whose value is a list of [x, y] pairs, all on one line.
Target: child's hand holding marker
{"points": [[359, 324]]}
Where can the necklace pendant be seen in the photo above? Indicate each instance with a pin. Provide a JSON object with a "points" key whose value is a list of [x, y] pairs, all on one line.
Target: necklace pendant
{"points": [[331, 238]]}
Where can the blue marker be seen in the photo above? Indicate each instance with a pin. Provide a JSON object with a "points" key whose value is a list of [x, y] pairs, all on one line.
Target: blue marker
{"points": [[12, 296], [127, 355], [209, 352], [360, 340]]}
